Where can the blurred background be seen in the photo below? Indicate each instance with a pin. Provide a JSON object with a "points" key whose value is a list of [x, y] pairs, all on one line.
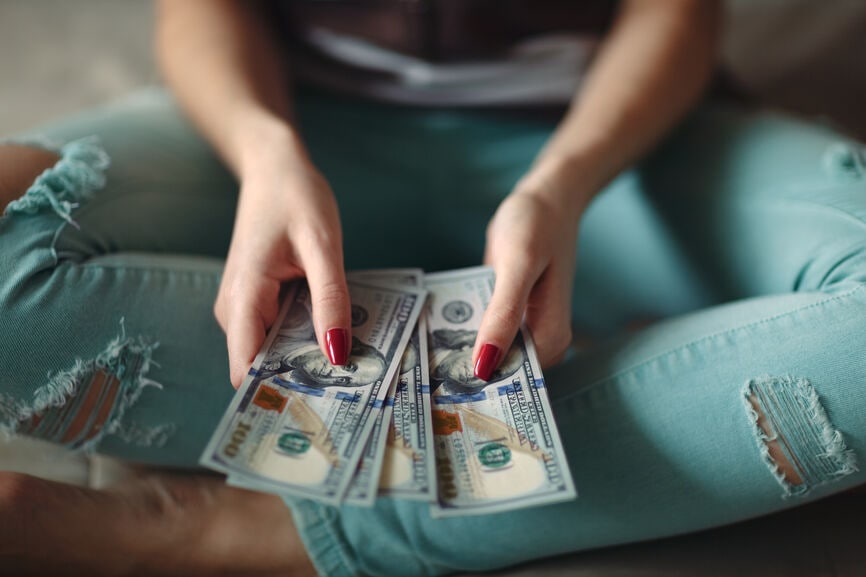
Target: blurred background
{"points": [[58, 56]]}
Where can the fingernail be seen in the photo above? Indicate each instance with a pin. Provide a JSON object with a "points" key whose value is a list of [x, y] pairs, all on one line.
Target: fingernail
{"points": [[488, 358], [337, 343]]}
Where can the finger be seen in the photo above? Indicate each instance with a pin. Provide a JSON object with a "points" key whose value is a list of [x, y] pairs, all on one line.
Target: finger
{"points": [[244, 331], [548, 316], [251, 311], [332, 307], [503, 316], [488, 252]]}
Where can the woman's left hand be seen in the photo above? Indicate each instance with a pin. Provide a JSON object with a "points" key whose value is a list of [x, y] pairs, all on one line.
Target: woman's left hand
{"points": [[531, 245]]}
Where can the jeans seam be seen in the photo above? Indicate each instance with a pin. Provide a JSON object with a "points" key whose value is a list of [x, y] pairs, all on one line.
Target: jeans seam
{"points": [[669, 352], [132, 268], [820, 205]]}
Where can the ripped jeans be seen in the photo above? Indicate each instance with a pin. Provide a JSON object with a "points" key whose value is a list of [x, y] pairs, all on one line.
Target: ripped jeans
{"points": [[745, 233]]}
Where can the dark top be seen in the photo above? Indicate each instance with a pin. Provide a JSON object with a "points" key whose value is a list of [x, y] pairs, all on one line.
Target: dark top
{"points": [[447, 30]]}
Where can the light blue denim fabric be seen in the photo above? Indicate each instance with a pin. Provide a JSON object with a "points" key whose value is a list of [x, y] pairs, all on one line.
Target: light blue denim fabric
{"points": [[744, 232]]}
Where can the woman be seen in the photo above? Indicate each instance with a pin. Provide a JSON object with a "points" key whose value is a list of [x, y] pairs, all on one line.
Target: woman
{"points": [[707, 418]]}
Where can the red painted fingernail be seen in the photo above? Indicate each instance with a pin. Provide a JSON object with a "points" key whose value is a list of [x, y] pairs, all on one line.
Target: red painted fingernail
{"points": [[488, 358], [337, 343]]}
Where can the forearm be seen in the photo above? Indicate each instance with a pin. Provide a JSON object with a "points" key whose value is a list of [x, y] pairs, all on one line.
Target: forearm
{"points": [[224, 65], [652, 68]]}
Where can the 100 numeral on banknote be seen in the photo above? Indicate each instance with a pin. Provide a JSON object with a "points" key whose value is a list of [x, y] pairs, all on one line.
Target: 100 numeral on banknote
{"points": [[298, 425]]}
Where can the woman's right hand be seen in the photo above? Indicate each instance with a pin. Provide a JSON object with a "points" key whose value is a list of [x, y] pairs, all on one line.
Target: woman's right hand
{"points": [[287, 226]]}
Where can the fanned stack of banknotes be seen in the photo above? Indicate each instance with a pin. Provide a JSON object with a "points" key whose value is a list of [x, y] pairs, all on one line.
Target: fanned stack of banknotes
{"points": [[405, 417]]}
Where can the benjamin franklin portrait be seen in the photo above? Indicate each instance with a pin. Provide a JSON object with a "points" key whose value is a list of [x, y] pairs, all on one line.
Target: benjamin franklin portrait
{"points": [[303, 362], [451, 362], [295, 356]]}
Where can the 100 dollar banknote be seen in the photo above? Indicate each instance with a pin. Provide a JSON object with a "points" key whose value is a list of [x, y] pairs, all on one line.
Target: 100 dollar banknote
{"points": [[497, 446], [298, 425], [399, 460]]}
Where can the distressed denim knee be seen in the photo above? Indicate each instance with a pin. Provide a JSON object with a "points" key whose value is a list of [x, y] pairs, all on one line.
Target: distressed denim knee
{"points": [[19, 167], [77, 172], [80, 399]]}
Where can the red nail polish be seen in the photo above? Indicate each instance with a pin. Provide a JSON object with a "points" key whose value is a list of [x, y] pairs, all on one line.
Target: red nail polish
{"points": [[337, 343], [487, 361]]}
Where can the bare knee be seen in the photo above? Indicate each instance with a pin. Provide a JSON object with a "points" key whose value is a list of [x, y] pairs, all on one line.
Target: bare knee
{"points": [[19, 167], [797, 439], [774, 448], [95, 402]]}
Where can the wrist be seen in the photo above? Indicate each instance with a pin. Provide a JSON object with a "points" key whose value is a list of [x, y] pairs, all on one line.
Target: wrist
{"points": [[565, 182], [265, 141]]}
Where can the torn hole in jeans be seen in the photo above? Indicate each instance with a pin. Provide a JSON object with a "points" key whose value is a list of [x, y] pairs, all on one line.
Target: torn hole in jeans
{"points": [[79, 406], [77, 174], [795, 437]]}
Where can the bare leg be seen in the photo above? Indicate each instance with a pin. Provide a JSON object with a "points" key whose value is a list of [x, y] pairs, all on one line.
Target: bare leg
{"points": [[20, 167], [163, 524]]}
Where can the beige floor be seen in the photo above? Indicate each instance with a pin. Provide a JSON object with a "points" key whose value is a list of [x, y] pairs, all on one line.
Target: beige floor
{"points": [[59, 56]]}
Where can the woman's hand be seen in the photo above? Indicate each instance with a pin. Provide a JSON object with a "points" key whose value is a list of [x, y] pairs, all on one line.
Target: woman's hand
{"points": [[287, 226], [531, 245], [668, 52]]}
